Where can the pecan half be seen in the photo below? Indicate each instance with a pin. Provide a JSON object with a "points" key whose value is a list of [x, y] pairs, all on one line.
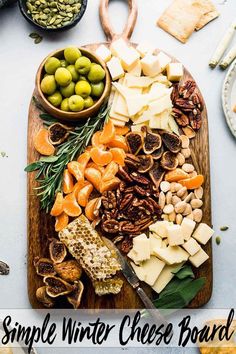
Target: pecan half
{"points": [[196, 120], [123, 174], [187, 89], [126, 245], [125, 202], [197, 100], [185, 105], [110, 226], [182, 120], [142, 191], [137, 177]]}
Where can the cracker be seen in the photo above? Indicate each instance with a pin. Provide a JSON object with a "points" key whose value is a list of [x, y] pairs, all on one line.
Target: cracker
{"points": [[181, 18], [205, 19]]}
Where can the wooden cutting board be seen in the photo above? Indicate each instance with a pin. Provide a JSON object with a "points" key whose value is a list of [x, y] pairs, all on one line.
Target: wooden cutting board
{"points": [[41, 225]]}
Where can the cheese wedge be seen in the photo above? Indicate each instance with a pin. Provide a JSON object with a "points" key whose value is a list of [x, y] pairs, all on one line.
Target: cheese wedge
{"points": [[134, 256], [171, 254], [135, 103], [157, 121], [139, 271], [140, 82]]}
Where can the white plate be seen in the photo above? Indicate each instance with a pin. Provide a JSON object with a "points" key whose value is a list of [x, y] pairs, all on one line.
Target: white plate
{"points": [[229, 97]]}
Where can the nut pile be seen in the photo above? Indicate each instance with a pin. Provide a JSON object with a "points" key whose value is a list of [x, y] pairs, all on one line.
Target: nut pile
{"points": [[53, 13], [188, 105]]}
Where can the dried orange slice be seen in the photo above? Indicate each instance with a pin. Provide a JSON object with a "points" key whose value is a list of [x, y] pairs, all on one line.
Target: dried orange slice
{"points": [[70, 205], [57, 208], [110, 171], [108, 132], [93, 176], [67, 183], [193, 182], [96, 140], [42, 143], [83, 159], [61, 222], [118, 156], [76, 170], [100, 157], [94, 165], [175, 175], [118, 142], [109, 185], [122, 130], [84, 194], [90, 208]]}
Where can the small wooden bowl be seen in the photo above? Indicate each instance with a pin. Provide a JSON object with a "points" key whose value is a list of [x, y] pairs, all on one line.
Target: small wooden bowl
{"points": [[72, 116]]}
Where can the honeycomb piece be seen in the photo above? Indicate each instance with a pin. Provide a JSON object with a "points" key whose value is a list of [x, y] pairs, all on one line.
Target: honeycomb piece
{"points": [[108, 286], [87, 247]]}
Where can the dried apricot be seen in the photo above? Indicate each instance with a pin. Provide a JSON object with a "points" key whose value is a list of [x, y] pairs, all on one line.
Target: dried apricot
{"points": [[68, 183], [61, 222], [108, 132], [90, 208], [175, 175], [110, 171], [83, 159], [100, 157], [57, 208], [84, 194], [122, 130], [42, 143], [76, 170], [97, 167], [109, 185], [119, 142], [193, 182], [93, 176], [118, 156], [96, 140], [70, 205]]}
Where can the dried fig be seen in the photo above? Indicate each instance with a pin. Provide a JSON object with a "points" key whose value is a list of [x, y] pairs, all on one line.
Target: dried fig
{"points": [[157, 154], [146, 163], [69, 270], [152, 141], [57, 287], [57, 251], [169, 161], [44, 267], [75, 297], [135, 142], [157, 174], [171, 141], [58, 133], [43, 297]]}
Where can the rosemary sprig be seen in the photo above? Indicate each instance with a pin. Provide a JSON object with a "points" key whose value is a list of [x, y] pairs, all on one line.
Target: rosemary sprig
{"points": [[50, 169]]}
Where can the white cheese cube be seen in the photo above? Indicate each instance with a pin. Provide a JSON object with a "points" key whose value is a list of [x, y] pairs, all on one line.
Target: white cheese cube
{"points": [[191, 246], [139, 271], [115, 68], [163, 59], [171, 254], [162, 104], [159, 228], [203, 233], [199, 258], [175, 235], [144, 47], [136, 70], [150, 65], [174, 71], [129, 58], [133, 255], [155, 241], [187, 226], [141, 245], [118, 46], [103, 52], [152, 269], [164, 278], [117, 123]]}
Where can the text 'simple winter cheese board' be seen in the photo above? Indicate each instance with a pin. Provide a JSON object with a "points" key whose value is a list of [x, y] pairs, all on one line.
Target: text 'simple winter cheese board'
{"points": [[41, 225]]}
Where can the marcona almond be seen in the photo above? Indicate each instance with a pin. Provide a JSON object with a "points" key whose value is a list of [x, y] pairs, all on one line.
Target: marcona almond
{"points": [[169, 197], [181, 192], [188, 167], [180, 207], [185, 195], [162, 200], [175, 200], [178, 187], [165, 186], [198, 193], [168, 209], [197, 215], [185, 141], [190, 216], [188, 210], [165, 217], [186, 153], [172, 216], [192, 174], [180, 158], [189, 197], [196, 203], [179, 219]]}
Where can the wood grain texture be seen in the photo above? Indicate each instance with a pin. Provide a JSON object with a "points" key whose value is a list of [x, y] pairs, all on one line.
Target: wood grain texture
{"points": [[41, 225]]}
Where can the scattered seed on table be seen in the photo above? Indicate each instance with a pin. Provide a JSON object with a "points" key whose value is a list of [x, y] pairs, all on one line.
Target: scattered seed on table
{"points": [[218, 240], [224, 228]]}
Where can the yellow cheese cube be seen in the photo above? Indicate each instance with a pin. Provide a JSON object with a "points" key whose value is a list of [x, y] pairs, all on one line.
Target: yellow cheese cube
{"points": [[164, 278], [144, 47], [199, 258], [139, 271], [187, 226], [152, 269], [141, 245], [171, 254], [191, 246], [174, 71], [103, 52], [159, 228], [163, 59], [118, 46], [129, 58], [155, 241], [134, 256], [203, 233], [115, 68], [175, 235], [150, 65]]}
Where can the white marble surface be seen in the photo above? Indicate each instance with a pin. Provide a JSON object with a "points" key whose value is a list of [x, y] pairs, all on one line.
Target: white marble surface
{"points": [[19, 59]]}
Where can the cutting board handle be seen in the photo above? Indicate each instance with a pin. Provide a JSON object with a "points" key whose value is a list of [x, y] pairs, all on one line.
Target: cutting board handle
{"points": [[106, 24]]}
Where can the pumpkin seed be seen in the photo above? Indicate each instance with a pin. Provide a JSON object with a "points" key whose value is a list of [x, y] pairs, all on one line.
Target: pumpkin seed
{"points": [[224, 228], [218, 240], [33, 35]]}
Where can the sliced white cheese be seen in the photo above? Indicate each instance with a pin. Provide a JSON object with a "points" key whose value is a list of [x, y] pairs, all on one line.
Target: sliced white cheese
{"points": [[175, 235], [163, 59], [155, 241], [164, 278], [144, 47], [163, 80], [140, 82], [159, 228], [173, 125], [191, 246], [199, 258], [133, 255], [165, 120], [174, 71], [141, 245], [157, 91], [139, 271], [115, 68], [136, 70], [136, 103], [152, 269], [117, 123], [123, 90], [142, 118], [187, 226], [138, 127], [120, 106], [203, 233], [171, 254], [103, 52], [162, 104], [155, 120], [150, 65]]}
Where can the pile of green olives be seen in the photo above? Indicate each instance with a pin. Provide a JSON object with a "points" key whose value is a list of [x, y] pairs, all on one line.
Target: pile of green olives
{"points": [[73, 83]]}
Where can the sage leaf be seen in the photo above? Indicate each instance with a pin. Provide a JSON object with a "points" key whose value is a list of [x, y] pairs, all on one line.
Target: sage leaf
{"points": [[49, 159], [33, 167], [185, 272], [47, 118]]}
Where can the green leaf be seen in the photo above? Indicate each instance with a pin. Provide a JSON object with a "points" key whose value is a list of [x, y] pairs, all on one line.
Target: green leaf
{"points": [[175, 285], [184, 272], [33, 167], [49, 159], [47, 118]]}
